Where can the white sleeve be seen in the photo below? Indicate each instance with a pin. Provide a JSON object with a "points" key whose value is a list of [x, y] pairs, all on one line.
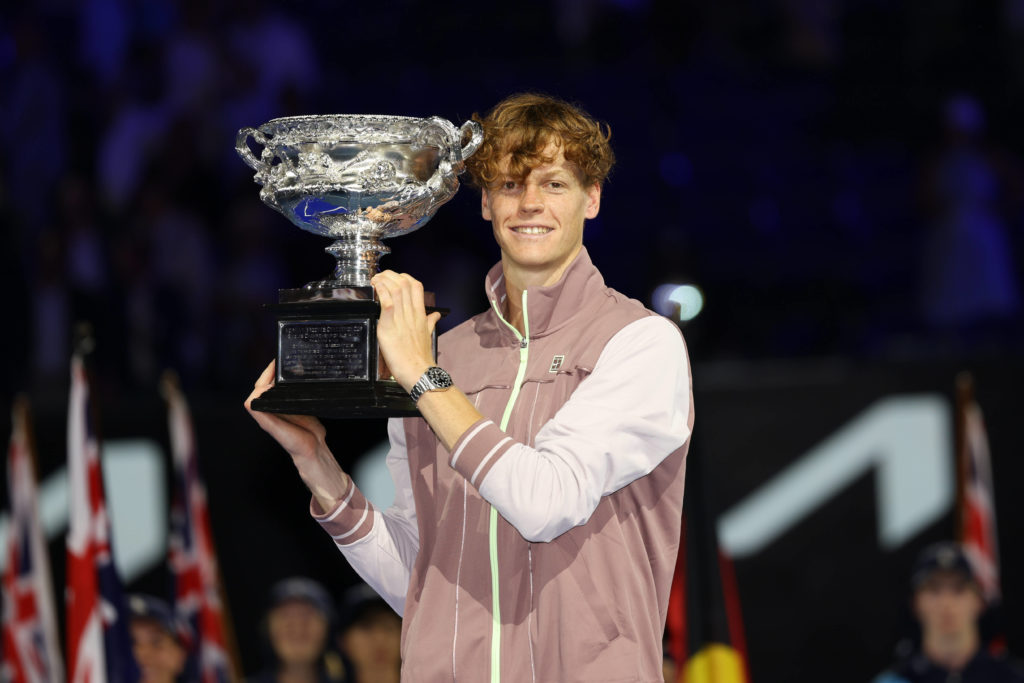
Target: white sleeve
{"points": [[380, 546], [618, 425]]}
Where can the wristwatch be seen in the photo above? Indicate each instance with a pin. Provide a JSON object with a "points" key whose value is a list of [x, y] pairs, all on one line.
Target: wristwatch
{"points": [[434, 379]]}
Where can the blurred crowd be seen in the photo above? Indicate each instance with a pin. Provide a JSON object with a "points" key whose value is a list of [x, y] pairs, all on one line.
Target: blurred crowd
{"points": [[129, 207], [837, 177], [306, 639]]}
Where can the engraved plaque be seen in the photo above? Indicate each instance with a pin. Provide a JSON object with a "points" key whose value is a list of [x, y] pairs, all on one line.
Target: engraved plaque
{"points": [[323, 350], [328, 361]]}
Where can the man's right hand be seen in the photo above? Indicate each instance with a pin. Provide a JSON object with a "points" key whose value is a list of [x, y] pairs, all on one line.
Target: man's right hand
{"points": [[304, 438], [300, 435]]}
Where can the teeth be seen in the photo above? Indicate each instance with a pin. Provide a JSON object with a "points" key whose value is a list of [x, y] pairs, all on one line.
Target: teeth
{"points": [[531, 230]]}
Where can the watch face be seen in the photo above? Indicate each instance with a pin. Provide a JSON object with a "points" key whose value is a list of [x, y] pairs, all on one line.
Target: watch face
{"points": [[439, 378]]}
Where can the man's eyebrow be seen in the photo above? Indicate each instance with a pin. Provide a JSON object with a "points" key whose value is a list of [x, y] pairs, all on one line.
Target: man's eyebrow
{"points": [[553, 173]]}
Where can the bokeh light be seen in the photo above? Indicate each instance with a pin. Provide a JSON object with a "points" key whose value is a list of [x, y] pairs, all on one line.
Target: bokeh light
{"points": [[682, 302]]}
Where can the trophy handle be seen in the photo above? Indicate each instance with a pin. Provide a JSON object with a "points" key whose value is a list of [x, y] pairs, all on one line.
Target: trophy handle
{"points": [[476, 137], [242, 147]]}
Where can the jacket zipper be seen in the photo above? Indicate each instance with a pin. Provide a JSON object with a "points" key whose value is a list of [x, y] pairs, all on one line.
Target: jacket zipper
{"points": [[524, 352]]}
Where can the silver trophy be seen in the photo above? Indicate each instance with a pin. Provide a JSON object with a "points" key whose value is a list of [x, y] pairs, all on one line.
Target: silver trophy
{"points": [[359, 180]]}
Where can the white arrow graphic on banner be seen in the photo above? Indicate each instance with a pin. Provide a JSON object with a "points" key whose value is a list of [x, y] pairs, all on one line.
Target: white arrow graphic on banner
{"points": [[906, 440]]}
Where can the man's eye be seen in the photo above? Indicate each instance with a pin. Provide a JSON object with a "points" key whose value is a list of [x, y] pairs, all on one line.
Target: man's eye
{"points": [[508, 185]]}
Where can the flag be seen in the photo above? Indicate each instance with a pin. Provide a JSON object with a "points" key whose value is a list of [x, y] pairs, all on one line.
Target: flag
{"points": [[98, 641], [976, 498], [192, 557], [30, 649], [704, 624]]}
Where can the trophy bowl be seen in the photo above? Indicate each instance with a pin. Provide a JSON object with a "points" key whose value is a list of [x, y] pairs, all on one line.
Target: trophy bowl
{"points": [[359, 180]]}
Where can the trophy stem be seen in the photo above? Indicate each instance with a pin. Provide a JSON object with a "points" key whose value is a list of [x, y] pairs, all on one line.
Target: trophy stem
{"points": [[357, 258]]}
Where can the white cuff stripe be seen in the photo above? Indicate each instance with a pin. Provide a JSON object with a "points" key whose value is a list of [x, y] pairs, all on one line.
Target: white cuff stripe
{"points": [[472, 480], [343, 504], [469, 437], [354, 529]]}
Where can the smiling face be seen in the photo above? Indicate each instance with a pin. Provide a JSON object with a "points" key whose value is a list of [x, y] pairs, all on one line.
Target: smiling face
{"points": [[538, 220]]}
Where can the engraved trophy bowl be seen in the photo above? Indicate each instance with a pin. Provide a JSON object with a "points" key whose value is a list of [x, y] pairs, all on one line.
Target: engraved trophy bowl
{"points": [[359, 180]]}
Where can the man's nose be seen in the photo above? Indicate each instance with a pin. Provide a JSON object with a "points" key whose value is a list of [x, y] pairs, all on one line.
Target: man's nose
{"points": [[531, 201]]}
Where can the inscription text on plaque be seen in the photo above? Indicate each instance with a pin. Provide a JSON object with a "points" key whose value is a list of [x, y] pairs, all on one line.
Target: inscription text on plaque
{"points": [[323, 350]]}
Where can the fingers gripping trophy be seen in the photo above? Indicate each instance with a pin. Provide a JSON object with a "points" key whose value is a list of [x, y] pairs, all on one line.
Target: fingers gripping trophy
{"points": [[359, 180]]}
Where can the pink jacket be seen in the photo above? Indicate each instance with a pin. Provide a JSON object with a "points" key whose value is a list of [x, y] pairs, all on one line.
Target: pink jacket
{"points": [[542, 547]]}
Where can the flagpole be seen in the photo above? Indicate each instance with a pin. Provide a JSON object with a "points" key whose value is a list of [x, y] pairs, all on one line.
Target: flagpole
{"points": [[964, 398], [22, 413], [229, 630]]}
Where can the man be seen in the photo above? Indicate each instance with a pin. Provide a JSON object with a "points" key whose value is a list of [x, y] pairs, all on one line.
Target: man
{"points": [[947, 603], [538, 502], [160, 640]]}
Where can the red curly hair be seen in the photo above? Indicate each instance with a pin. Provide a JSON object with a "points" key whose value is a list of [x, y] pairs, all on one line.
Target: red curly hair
{"points": [[522, 127]]}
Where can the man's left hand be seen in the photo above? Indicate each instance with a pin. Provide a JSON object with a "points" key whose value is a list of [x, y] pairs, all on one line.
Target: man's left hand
{"points": [[404, 331]]}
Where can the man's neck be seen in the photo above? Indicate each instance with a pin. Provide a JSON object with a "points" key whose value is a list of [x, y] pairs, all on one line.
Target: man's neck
{"points": [[517, 280], [953, 651]]}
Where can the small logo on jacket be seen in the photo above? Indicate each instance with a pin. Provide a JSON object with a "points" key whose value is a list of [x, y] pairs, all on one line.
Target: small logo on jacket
{"points": [[556, 363]]}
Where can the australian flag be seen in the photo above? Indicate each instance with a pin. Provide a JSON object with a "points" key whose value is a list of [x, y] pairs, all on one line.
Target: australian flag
{"points": [[976, 504], [30, 649], [192, 556], [99, 647]]}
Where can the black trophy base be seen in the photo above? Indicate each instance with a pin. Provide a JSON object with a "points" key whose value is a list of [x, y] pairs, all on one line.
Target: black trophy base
{"points": [[338, 401], [328, 361]]}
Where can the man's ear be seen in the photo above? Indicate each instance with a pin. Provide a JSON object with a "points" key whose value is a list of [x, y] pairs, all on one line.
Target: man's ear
{"points": [[593, 200], [485, 205]]}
